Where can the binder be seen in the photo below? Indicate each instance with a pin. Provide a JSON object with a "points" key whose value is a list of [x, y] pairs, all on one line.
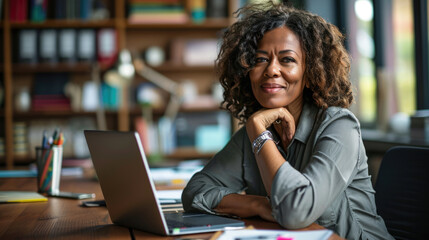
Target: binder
{"points": [[67, 45], [27, 50], [48, 45], [86, 45], [107, 42]]}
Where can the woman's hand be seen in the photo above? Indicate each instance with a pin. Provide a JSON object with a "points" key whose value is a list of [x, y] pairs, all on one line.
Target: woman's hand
{"points": [[282, 119]]}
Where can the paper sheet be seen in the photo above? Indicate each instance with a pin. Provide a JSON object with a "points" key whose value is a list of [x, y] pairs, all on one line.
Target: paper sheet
{"points": [[253, 234], [21, 196]]}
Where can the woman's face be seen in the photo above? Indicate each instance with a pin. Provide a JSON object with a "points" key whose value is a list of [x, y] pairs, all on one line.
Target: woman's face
{"points": [[277, 78]]}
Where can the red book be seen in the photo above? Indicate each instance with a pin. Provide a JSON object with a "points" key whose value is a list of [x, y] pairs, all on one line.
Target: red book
{"points": [[13, 10], [18, 10]]}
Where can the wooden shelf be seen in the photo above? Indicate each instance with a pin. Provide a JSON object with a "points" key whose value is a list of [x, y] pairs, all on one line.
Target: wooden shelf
{"points": [[64, 24], [158, 112], [49, 114], [208, 24], [51, 67], [168, 67], [186, 153]]}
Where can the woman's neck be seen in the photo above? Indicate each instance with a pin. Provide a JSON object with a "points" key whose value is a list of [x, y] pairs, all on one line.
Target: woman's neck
{"points": [[295, 108]]}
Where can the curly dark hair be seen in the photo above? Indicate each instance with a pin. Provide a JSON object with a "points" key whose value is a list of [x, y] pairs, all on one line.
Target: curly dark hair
{"points": [[327, 61]]}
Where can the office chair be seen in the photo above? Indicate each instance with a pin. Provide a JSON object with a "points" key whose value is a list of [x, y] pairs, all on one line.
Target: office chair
{"points": [[402, 190]]}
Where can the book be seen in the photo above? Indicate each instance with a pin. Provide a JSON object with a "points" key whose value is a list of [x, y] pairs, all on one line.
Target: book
{"points": [[18, 10], [85, 9], [21, 196], [38, 10], [60, 9], [157, 12], [1, 9], [49, 93], [18, 173], [20, 140], [200, 52], [217, 9]]}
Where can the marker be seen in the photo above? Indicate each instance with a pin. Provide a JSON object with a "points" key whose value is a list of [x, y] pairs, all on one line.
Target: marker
{"points": [[285, 238]]}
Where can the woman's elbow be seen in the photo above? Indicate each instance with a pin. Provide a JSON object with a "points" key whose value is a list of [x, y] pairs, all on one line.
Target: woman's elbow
{"points": [[187, 199], [292, 219]]}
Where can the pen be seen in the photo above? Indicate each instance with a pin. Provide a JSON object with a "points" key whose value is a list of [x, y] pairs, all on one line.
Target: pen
{"points": [[274, 237], [45, 143]]}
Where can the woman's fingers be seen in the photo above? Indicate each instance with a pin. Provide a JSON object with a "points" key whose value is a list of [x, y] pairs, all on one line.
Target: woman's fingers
{"points": [[281, 118], [287, 123]]}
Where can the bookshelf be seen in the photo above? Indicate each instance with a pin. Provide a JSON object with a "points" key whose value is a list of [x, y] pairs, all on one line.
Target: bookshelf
{"points": [[135, 37]]}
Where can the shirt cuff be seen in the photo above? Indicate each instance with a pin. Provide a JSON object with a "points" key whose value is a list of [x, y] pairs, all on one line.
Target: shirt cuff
{"points": [[209, 200]]}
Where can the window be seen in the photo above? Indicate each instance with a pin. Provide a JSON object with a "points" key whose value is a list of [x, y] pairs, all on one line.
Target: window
{"points": [[380, 39], [403, 37], [360, 42]]}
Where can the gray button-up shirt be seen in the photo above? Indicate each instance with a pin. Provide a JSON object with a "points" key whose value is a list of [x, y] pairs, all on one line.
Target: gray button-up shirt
{"points": [[324, 178]]}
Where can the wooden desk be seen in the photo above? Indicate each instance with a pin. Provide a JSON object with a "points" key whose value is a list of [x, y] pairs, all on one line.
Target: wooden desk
{"points": [[61, 218]]}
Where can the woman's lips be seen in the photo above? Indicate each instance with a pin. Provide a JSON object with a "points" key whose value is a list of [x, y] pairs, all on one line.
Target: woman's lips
{"points": [[272, 87]]}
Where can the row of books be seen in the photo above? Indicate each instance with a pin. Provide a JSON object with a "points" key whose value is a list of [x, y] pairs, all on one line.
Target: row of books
{"points": [[53, 92], [177, 11], [207, 132], [66, 45], [20, 141], [40, 10], [151, 11]]}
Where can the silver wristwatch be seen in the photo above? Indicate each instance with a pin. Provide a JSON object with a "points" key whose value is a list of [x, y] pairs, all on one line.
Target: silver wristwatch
{"points": [[261, 140]]}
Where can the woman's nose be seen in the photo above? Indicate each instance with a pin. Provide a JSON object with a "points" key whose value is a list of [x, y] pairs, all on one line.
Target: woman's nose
{"points": [[272, 70]]}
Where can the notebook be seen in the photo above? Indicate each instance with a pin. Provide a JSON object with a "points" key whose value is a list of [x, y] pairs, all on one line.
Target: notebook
{"points": [[123, 172]]}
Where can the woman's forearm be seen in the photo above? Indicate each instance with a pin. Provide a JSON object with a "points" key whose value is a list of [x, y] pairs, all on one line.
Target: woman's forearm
{"points": [[245, 206]]}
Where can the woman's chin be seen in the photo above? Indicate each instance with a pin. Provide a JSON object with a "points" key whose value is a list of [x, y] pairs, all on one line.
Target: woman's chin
{"points": [[273, 105]]}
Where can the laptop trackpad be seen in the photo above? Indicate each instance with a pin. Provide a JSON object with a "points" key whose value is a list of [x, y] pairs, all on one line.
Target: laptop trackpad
{"points": [[184, 219]]}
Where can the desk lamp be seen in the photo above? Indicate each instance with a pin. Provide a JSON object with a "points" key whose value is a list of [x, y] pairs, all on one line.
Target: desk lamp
{"points": [[172, 87]]}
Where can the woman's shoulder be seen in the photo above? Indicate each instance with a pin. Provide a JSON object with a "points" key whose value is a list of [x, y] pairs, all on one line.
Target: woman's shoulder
{"points": [[338, 112], [334, 113]]}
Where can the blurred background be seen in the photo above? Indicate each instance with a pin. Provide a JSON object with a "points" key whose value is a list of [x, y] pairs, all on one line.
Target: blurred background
{"points": [[71, 65]]}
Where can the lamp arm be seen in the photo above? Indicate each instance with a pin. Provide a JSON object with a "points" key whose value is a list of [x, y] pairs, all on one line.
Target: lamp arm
{"points": [[158, 79]]}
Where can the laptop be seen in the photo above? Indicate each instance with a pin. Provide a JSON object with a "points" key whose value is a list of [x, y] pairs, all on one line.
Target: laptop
{"points": [[123, 172]]}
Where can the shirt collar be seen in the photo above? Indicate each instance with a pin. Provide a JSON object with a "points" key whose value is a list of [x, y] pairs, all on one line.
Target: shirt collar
{"points": [[306, 122]]}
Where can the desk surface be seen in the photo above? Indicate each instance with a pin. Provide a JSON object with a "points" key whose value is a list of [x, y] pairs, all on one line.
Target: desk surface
{"points": [[66, 219]]}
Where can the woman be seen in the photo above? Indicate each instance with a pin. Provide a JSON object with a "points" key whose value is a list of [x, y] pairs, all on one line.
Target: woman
{"points": [[299, 158]]}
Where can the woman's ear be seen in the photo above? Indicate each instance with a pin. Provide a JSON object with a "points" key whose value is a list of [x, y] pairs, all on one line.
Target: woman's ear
{"points": [[306, 82]]}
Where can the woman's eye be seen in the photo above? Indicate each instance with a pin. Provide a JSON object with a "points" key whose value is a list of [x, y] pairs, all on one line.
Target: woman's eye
{"points": [[261, 59], [288, 59]]}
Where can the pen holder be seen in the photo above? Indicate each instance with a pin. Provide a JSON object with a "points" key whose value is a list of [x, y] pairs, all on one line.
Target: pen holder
{"points": [[49, 163]]}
